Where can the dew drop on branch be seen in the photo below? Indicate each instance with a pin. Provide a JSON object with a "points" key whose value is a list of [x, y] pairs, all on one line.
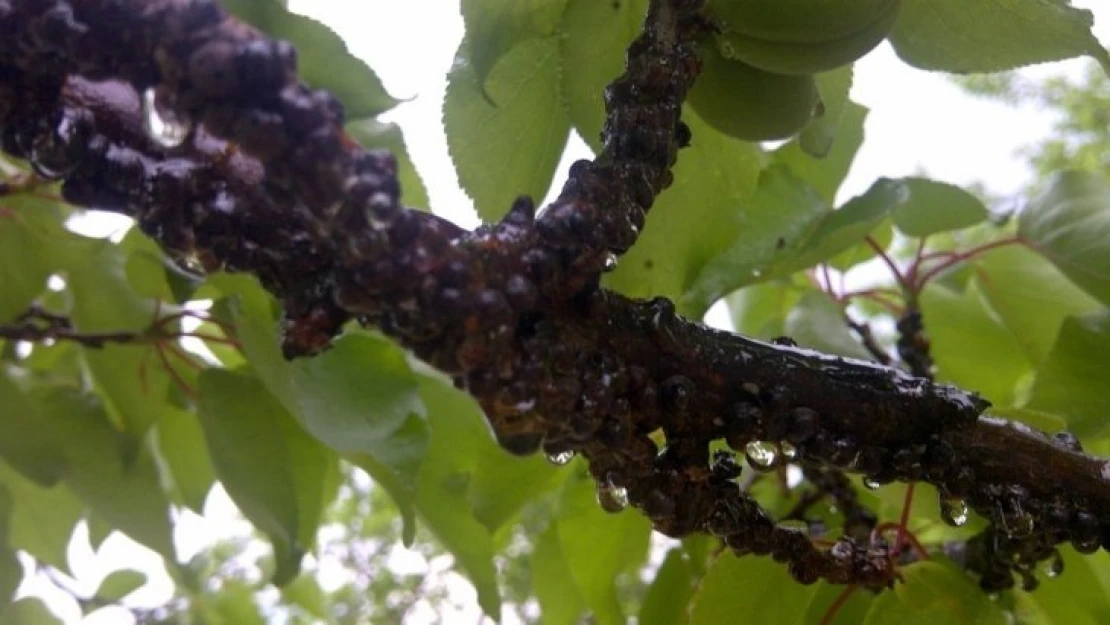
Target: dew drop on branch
{"points": [[954, 511], [561, 459], [612, 498], [762, 455], [1054, 567], [871, 483]]}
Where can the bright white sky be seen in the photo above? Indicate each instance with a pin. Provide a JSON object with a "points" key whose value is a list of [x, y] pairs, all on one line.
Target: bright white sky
{"points": [[919, 122]]}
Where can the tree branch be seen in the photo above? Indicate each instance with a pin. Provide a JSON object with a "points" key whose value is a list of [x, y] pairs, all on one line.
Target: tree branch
{"points": [[268, 183]]}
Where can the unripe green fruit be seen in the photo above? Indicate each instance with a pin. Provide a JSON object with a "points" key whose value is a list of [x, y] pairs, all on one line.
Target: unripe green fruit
{"points": [[802, 36], [748, 103]]}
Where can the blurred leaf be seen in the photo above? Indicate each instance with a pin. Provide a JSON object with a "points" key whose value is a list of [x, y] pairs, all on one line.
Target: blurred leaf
{"points": [[1072, 380], [118, 584], [933, 207], [934, 593], [277, 475], [759, 588], [759, 310], [512, 148], [1031, 296], [42, 519], [818, 322], [669, 594], [26, 445], [1070, 225], [992, 35], [323, 60], [23, 270], [459, 436], [852, 612], [28, 611], [594, 37], [108, 470], [494, 27], [502, 484], [560, 601], [964, 334], [819, 134], [233, 605], [882, 234], [305, 592], [133, 379], [11, 575], [826, 174], [373, 134], [1075, 597], [598, 546], [184, 455]]}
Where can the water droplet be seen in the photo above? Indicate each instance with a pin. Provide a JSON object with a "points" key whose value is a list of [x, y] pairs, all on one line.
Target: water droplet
{"points": [[612, 498], [762, 455], [794, 525], [560, 459], [871, 483], [1054, 567], [610, 262], [164, 129], [789, 452], [954, 512], [756, 273]]}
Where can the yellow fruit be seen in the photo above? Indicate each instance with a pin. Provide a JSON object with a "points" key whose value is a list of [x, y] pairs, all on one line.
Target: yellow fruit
{"points": [[802, 36], [748, 103]]}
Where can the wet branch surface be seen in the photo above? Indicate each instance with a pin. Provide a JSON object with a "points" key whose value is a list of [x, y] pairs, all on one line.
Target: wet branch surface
{"points": [[266, 182]]}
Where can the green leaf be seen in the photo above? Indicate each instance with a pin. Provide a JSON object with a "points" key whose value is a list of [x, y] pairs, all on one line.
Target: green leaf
{"points": [[26, 445], [595, 35], [934, 207], [459, 436], [494, 27], [817, 138], [1031, 296], [278, 475], [965, 334], [42, 519], [502, 483], [233, 605], [131, 377], [512, 148], [1070, 225], [11, 575], [818, 322], [560, 601], [23, 270], [934, 593], [118, 584], [770, 228], [1072, 381], [759, 310], [184, 457], [359, 397], [826, 174], [992, 35], [306, 593], [848, 226], [1075, 597], [669, 595], [597, 546], [323, 59], [373, 134], [851, 612], [28, 611], [759, 588], [108, 470]]}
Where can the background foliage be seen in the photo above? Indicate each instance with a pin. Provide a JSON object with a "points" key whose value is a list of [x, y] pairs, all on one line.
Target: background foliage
{"points": [[337, 460]]}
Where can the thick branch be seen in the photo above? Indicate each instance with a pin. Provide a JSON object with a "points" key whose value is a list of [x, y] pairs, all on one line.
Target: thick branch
{"points": [[511, 310]]}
